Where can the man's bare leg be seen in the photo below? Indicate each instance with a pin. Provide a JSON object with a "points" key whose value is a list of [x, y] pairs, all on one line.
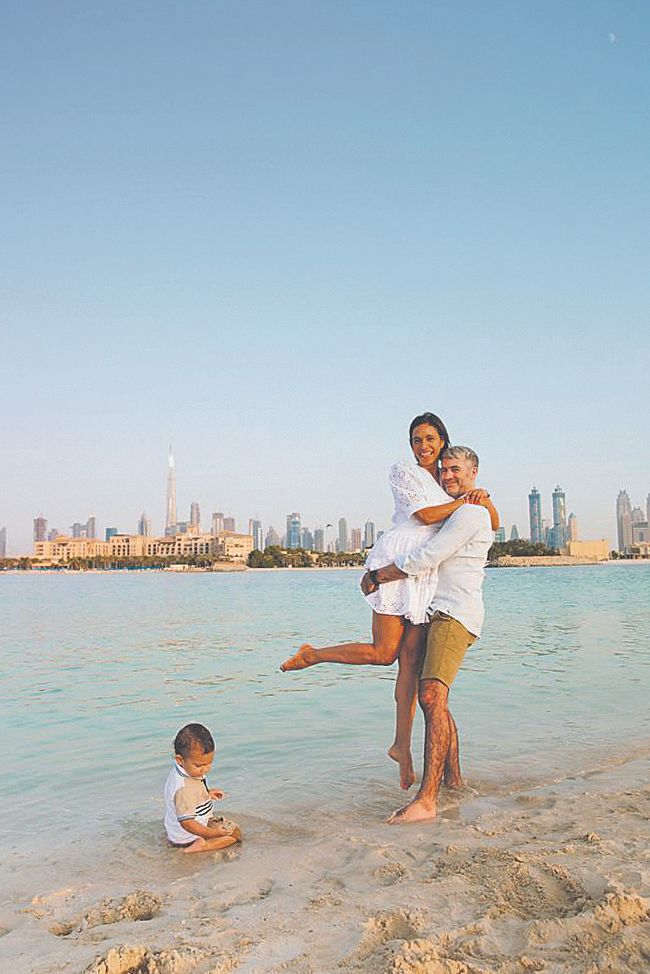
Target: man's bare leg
{"points": [[406, 692], [382, 651], [433, 700], [452, 776]]}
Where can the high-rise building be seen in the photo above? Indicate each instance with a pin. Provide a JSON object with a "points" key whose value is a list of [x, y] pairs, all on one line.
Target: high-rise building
{"points": [[78, 530], [272, 538], [344, 544], [500, 535], [573, 528], [535, 515], [110, 533], [369, 534], [637, 515], [647, 507], [217, 523], [514, 533], [40, 528], [293, 530], [319, 540], [255, 529], [624, 521], [53, 534], [170, 517], [144, 526], [229, 524], [559, 518], [195, 516], [91, 527], [355, 539], [306, 539], [3, 542]]}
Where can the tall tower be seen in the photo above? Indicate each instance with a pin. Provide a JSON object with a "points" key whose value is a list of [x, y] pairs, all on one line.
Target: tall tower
{"points": [[195, 516], [535, 515], [293, 530], [573, 528], [559, 518], [144, 526], [40, 528], [344, 544], [3, 542], [170, 520], [369, 535], [624, 521]]}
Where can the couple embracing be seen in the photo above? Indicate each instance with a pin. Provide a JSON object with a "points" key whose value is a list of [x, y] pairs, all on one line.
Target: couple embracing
{"points": [[424, 584]]}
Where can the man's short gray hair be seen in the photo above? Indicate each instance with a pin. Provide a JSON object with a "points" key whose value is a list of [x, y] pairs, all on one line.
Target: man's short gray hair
{"points": [[461, 453]]}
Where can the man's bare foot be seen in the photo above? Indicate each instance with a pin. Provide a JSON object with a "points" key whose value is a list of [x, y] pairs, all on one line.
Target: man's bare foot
{"points": [[303, 658], [406, 769], [453, 781], [415, 811]]}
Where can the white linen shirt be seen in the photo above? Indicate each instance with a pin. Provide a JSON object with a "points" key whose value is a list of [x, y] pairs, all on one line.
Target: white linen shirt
{"points": [[459, 552]]}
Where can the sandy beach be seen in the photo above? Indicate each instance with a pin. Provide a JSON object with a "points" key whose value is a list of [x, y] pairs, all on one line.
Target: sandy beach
{"points": [[552, 879]]}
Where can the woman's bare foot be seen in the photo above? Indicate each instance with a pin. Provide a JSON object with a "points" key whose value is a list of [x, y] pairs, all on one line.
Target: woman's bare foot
{"points": [[303, 658], [406, 769], [417, 810]]}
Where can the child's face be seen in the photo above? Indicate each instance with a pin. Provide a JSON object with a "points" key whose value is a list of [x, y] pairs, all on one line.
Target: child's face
{"points": [[197, 763]]}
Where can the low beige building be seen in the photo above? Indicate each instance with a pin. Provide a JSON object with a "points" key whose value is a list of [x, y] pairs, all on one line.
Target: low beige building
{"points": [[227, 546], [596, 550]]}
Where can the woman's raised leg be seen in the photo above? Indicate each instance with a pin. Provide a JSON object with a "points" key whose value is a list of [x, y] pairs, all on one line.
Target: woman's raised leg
{"points": [[406, 695], [382, 651]]}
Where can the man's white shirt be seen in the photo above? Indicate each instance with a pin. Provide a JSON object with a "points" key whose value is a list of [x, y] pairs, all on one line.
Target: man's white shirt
{"points": [[459, 552]]}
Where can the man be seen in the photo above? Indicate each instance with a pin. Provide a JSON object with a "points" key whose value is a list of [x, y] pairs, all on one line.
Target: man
{"points": [[459, 552]]}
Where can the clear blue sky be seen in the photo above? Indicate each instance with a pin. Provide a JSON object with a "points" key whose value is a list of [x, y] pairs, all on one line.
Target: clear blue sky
{"points": [[271, 233]]}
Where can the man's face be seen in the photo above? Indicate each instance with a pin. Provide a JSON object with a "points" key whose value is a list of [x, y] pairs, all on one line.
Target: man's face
{"points": [[457, 475]]}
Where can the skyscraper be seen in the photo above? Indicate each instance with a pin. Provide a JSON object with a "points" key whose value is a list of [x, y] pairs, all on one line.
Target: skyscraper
{"points": [[637, 515], [293, 530], [306, 539], [624, 521], [195, 516], [355, 539], [369, 535], [500, 535], [559, 518], [110, 533], [170, 518], [514, 533], [144, 526], [78, 530], [3, 542], [217, 523], [40, 528], [272, 538], [535, 515], [573, 528], [343, 535], [91, 527], [255, 529], [229, 524], [319, 540]]}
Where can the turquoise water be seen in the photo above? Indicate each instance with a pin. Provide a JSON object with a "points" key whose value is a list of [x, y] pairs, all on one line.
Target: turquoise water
{"points": [[100, 670]]}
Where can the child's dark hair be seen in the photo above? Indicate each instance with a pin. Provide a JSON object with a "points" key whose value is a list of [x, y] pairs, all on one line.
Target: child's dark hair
{"points": [[190, 736]]}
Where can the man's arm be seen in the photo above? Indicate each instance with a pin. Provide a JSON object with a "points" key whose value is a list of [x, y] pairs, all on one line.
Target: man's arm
{"points": [[455, 533]]}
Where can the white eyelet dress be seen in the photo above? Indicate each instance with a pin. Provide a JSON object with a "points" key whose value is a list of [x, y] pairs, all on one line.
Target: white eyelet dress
{"points": [[413, 489]]}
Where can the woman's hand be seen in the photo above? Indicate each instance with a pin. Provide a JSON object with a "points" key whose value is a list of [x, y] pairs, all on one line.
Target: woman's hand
{"points": [[477, 496], [367, 584]]}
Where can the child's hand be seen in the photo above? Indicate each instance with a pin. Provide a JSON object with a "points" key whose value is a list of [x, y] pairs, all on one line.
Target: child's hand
{"points": [[215, 793]]}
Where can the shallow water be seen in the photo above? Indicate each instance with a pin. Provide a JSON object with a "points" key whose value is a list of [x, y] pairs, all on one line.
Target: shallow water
{"points": [[100, 670]]}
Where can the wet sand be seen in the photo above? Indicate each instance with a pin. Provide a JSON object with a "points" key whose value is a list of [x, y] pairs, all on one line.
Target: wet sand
{"points": [[553, 879]]}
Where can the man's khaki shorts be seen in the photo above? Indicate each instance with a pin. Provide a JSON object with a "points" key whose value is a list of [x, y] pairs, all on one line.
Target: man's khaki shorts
{"points": [[447, 642]]}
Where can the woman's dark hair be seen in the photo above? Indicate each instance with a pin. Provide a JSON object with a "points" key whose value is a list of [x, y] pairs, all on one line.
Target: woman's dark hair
{"points": [[431, 420], [193, 735]]}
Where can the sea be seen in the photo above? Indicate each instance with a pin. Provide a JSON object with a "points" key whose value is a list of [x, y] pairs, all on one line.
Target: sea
{"points": [[100, 670]]}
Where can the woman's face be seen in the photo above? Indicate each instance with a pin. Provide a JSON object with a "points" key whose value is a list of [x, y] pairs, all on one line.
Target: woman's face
{"points": [[426, 444]]}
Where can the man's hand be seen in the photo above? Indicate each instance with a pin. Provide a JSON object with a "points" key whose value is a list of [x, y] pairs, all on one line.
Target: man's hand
{"points": [[390, 573]]}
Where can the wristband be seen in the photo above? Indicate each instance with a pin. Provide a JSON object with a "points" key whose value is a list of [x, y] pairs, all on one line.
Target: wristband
{"points": [[373, 577]]}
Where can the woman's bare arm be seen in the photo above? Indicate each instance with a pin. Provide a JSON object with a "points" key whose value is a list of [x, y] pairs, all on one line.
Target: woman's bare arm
{"points": [[434, 515]]}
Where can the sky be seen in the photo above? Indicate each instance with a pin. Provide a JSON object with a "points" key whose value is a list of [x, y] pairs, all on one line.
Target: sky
{"points": [[272, 233]]}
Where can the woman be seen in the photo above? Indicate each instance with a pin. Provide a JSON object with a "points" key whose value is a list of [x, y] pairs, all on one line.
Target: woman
{"points": [[399, 609]]}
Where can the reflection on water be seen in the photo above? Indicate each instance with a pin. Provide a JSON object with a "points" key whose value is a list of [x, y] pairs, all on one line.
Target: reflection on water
{"points": [[101, 670]]}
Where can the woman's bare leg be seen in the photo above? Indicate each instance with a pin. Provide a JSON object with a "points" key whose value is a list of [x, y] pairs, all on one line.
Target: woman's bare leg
{"points": [[406, 695], [382, 651]]}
